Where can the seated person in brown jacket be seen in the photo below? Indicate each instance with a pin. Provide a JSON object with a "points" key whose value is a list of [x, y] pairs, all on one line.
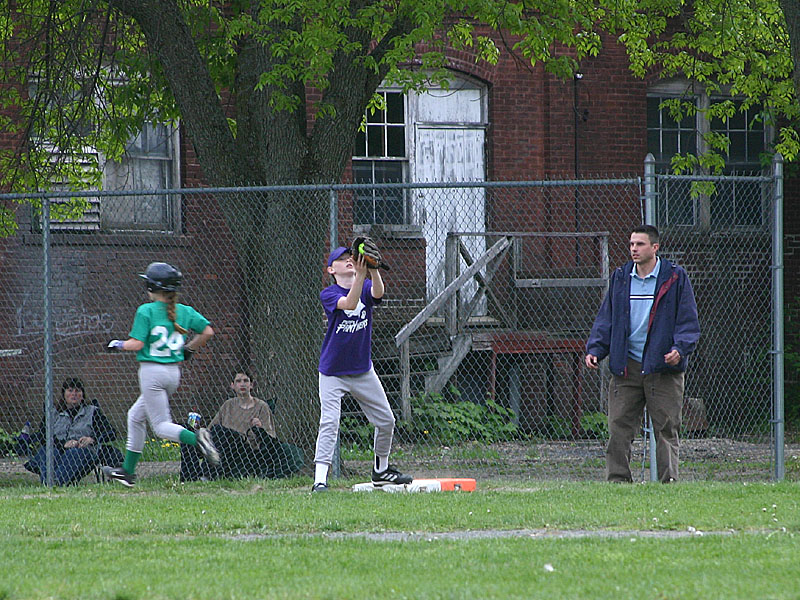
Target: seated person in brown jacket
{"points": [[244, 433]]}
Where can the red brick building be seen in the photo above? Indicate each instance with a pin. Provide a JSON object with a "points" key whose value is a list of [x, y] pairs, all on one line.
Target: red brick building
{"points": [[505, 122]]}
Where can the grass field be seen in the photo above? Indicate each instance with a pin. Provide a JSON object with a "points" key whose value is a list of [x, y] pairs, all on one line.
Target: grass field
{"points": [[510, 539]]}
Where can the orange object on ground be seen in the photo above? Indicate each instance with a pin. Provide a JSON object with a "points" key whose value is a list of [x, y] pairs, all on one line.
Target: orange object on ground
{"points": [[457, 484]]}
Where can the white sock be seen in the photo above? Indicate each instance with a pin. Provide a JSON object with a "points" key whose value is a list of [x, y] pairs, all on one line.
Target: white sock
{"points": [[321, 473], [381, 463]]}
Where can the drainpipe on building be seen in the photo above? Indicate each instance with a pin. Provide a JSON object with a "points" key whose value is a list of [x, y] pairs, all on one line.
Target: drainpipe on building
{"points": [[578, 116]]}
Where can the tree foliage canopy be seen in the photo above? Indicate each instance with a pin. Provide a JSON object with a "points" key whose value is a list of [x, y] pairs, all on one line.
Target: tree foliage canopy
{"points": [[88, 73], [738, 48], [100, 69]]}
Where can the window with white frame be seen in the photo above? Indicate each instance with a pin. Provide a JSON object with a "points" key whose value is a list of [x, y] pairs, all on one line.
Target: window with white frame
{"points": [[734, 204], [436, 135], [150, 162], [380, 156], [739, 204]]}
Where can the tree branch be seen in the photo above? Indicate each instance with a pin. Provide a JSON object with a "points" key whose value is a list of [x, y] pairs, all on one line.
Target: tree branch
{"points": [[791, 12], [351, 86], [272, 141]]}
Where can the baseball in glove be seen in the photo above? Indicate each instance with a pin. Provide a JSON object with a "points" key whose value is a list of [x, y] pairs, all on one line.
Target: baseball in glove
{"points": [[367, 246]]}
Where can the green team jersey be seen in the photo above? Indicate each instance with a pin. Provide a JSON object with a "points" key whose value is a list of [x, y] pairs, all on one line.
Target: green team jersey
{"points": [[162, 344]]}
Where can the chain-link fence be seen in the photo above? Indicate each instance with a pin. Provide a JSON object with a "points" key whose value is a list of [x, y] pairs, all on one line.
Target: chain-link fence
{"points": [[479, 342]]}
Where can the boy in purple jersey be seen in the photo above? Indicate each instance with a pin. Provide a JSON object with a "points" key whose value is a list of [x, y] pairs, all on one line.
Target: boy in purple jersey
{"points": [[345, 366]]}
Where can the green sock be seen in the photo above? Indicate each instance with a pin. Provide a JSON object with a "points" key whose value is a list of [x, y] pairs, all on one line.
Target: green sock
{"points": [[188, 437], [131, 458]]}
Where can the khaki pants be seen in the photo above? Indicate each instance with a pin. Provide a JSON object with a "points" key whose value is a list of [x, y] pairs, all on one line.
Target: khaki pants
{"points": [[662, 393]]}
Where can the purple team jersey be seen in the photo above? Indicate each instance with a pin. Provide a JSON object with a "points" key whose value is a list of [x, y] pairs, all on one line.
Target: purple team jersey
{"points": [[346, 349]]}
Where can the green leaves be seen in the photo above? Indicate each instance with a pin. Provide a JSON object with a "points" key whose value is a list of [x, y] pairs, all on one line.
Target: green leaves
{"points": [[447, 422], [92, 66], [734, 48]]}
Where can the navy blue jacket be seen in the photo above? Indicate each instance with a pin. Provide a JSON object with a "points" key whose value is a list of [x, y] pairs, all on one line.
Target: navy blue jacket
{"points": [[673, 321]]}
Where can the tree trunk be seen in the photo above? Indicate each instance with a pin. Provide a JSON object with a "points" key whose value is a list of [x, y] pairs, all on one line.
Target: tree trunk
{"points": [[279, 240], [281, 259], [791, 12]]}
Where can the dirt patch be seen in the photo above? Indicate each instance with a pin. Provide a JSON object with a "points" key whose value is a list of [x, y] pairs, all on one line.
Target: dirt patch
{"points": [[708, 459], [701, 460], [410, 536]]}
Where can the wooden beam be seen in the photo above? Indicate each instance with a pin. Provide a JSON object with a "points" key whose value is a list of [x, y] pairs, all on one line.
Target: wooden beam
{"points": [[415, 323], [483, 284]]}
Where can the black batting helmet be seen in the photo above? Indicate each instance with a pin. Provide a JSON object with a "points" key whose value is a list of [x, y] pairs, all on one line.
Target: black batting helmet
{"points": [[162, 277]]}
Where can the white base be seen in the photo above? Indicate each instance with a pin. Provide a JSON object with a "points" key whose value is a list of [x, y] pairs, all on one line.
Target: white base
{"points": [[418, 485]]}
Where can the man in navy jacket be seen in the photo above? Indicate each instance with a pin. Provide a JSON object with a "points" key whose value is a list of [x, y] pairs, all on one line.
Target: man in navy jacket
{"points": [[647, 326]]}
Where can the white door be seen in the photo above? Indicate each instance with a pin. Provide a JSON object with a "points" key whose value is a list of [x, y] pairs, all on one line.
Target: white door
{"points": [[449, 147]]}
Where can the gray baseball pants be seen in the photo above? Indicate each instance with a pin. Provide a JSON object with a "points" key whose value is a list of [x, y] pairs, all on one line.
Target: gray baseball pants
{"points": [[156, 382], [368, 391]]}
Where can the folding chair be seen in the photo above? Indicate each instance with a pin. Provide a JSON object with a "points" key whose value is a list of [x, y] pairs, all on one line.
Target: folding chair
{"points": [[106, 455]]}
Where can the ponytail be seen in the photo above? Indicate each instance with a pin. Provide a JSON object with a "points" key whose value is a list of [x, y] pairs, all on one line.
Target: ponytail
{"points": [[172, 300]]}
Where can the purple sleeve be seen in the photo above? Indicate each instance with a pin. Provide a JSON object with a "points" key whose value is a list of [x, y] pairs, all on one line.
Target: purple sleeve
{"points": [[330, 298]]}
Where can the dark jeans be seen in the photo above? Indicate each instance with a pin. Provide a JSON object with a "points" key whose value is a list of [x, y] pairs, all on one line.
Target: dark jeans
{"points": [[271, 459], [69, 466]]}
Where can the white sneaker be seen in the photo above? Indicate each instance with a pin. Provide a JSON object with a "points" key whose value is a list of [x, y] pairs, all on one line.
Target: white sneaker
{"points": [[120, 475], [207, 447]]}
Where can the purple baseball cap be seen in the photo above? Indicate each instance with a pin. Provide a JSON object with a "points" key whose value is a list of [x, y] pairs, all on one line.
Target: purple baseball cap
{"points": [[337, 254]]}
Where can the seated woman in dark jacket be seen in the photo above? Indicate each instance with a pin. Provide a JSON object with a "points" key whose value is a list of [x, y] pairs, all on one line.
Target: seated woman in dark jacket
{"points": [[79, 428]]}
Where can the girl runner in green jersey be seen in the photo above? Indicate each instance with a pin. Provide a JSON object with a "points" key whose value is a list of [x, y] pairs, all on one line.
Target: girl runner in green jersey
{"points": [[158, 336]]}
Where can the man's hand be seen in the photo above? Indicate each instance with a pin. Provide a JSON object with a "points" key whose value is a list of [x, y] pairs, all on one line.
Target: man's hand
{"points": [[672, 358], [591, 361], [255, 422], [116, 345], [71, 444]]}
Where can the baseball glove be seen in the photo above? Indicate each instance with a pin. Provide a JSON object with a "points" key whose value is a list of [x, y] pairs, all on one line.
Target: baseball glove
{"points": [[367, 246]]}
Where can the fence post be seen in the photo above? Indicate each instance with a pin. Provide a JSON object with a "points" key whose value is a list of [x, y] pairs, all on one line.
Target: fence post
{"points": [[336, 466], [650, 190], [450, 274], [650, 219], [47, 342], [333, 202], [405, 380], [777, 316]]}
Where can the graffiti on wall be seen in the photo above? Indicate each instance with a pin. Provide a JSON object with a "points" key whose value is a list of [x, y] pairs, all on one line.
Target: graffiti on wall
{"points": [[75, 320]]}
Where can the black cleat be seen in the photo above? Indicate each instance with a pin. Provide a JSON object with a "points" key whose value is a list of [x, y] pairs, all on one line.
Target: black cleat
{"points": [[320, 487], [390, 475], [207, 446], [120, 475]]}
